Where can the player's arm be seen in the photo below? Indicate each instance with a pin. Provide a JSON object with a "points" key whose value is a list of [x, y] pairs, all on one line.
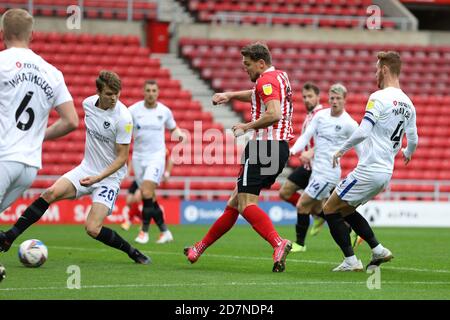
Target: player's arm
{"points": [[67, 122], [303, 140], [412, 138], [178, 134], [224, 97], [169, 167], [270, 117], [122, 151]]}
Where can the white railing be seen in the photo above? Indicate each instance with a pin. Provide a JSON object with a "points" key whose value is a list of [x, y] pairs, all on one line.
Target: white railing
{"points": [[223, 17], [187, 193]]}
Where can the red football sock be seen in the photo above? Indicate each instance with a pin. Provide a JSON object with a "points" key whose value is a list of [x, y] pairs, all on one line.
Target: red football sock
{"points": [[262, 224], [225, 222], [134, 211], [294, 199]]}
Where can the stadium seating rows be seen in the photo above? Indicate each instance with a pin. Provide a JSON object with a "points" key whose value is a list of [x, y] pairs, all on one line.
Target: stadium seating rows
{"points": [[425, 77], [324, 13], [95, 9]]}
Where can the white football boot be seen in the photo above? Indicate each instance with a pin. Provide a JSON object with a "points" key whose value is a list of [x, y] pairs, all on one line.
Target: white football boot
{"points": [[377, 259], [345, 266], [142, 237], [165, 237]]}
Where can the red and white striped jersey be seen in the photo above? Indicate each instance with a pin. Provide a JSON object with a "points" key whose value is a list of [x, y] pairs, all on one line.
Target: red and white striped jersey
{"points": [[307, 121], [273, 85]]}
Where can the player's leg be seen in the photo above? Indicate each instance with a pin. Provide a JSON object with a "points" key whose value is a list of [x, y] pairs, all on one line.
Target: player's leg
{"points": [[131, 205], [95, 229], [304, 207], [264, 161], [221, 226], [297, 180], [288, 192], [367, 187], [339, 231], [16, 178], [61, 189]]}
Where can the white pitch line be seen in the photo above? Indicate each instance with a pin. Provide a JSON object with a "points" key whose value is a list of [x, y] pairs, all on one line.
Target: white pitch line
{"points": [[290, 260], [265, 284]]}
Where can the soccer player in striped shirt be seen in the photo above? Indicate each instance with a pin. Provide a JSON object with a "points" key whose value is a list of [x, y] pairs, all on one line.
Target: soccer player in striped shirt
{"points": [[265, 155]]}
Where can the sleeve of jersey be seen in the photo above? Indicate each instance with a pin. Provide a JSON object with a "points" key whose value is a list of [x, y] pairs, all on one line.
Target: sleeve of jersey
{"points": [[359, 135], [170, 122], [303, 140], [411, 135], [124, 129], [268, 90], [373, 110], [62, 94]]}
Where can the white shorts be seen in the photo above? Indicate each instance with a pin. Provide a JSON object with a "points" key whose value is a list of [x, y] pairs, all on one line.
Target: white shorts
{"points": [[150, 170], [16, 178], [318, 188], [357, 188], [104, 192]]}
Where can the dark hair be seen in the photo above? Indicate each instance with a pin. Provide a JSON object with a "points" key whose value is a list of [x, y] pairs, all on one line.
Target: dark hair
{"points": [[257, 51], [151, 82], [110, 79], [311, 86], [392, 60]]}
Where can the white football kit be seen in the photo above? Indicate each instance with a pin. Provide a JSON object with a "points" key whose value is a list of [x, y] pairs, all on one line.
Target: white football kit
{"points": [[29, 88], [104, 129], [389, 114], [149, 149], [329, 134]]}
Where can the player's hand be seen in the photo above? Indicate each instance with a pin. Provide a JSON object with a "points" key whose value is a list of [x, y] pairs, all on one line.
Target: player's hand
{"points": [[307, 156], [239, 129], [336, 158], [220, 98], [406, 159], [165, 176], [89, 181]]}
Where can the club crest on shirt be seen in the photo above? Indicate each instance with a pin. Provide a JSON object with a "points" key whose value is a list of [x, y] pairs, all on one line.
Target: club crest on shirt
{"points": [[267, 89], [337, 128], [106, 124], [160, 117]]}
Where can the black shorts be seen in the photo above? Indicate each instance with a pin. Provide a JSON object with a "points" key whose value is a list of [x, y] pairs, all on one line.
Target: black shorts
{"points": [[134, 186], [263, 161], [300, 177]]}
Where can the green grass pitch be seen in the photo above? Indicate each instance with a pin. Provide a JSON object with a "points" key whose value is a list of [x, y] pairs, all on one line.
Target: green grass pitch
{"points": [[238, 266]]}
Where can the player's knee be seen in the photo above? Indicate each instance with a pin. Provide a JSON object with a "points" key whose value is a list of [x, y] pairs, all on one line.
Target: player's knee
{"points": [[148, 194], [50, 195], [285, 193], [92, 229]]}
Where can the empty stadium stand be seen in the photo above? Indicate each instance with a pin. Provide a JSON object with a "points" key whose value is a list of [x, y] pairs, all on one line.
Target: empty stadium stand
{"points": [[321, 13], [94, 9]]}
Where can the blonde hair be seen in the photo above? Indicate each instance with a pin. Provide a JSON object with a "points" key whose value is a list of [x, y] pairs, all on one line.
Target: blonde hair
{"points": [[392, 60], [110, 79], [338, 88], [17, 24]]}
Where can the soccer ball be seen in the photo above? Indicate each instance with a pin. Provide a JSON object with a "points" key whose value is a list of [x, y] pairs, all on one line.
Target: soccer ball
{"points": [[33, 253]]}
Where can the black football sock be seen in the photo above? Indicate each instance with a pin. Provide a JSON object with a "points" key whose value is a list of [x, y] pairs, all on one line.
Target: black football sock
{"points": [[159, 217], [339, 232], [147, 214], [113, 239], [31, 215], [362, 228], [301, 228]]}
